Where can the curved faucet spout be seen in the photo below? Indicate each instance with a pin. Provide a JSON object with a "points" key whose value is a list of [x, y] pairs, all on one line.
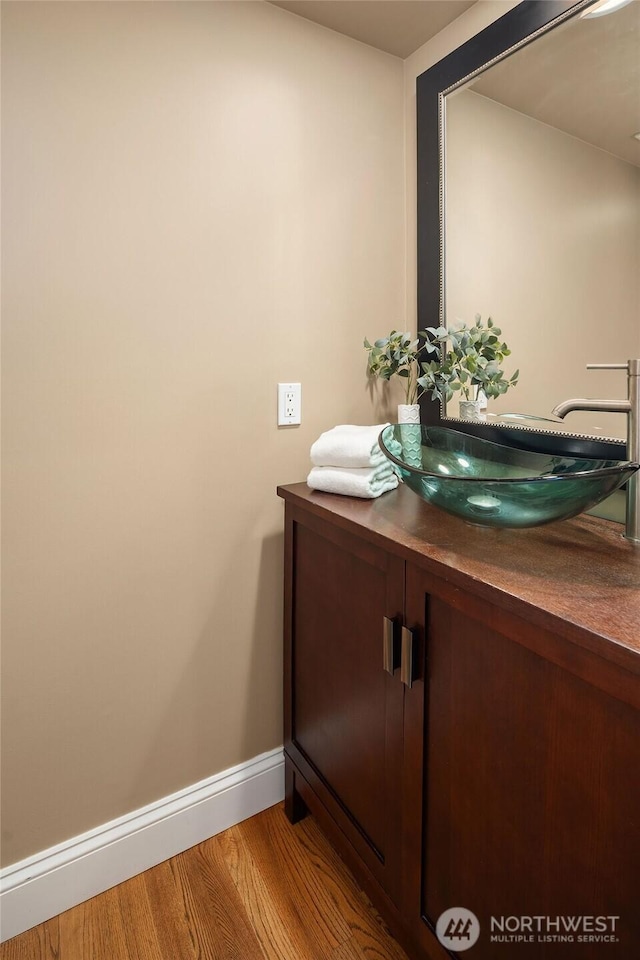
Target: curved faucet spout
{"points": [[599, 406]]}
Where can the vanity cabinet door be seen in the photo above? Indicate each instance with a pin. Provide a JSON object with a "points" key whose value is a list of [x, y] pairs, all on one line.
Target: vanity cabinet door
{"points": [[343, 710], [529, 755]]}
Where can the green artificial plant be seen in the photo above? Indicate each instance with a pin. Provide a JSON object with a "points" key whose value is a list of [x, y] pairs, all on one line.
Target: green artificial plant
{"points": [[470, 360], [396, 355]]}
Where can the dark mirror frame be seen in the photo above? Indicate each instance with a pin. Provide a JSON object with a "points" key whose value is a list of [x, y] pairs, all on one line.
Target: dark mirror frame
{"points": [[519, 26]]}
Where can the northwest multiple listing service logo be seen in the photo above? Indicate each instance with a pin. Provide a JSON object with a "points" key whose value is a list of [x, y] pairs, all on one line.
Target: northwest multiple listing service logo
{"points": [[458, 929]]}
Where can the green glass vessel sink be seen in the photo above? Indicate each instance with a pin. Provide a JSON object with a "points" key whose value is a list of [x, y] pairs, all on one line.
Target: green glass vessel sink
{"points": [[494, 485]]}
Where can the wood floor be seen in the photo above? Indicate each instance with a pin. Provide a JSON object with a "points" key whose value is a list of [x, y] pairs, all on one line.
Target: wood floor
{"points": [[262, 889]]}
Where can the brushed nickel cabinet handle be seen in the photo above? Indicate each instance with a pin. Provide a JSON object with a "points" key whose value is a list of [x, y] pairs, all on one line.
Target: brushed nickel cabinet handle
{"points": [[388, 645], [406, 663]]}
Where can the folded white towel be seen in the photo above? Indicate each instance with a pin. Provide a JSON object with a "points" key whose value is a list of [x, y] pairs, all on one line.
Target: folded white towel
{"points": [[353, 481], [348, 445]]}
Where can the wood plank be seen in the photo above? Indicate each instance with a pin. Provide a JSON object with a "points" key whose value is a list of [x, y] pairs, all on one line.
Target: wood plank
{"points": [[217, 917], [137, 919], [350, 950], [377, 944], [39, 943], [52, 938], [285, 859], [94, 930], [362, 946], [169, 913], [270, 908], [369, 930]]}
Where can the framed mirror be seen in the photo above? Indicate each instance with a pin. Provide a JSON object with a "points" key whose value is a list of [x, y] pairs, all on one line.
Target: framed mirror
{"points": [[529, 212]]}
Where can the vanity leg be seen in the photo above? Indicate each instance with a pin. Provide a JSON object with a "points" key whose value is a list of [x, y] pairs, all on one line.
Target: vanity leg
{"points": [[294, 806]]}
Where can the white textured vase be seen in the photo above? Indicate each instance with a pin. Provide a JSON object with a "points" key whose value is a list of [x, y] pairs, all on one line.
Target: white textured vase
{"points": [[471, 410], [409, 414]]}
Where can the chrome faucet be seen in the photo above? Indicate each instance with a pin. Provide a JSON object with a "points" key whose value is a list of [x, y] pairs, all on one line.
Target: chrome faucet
{"points": [[630, 406]]}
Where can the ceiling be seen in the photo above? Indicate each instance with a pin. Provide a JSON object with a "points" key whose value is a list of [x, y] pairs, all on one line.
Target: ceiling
{"points": [[395, 26]]}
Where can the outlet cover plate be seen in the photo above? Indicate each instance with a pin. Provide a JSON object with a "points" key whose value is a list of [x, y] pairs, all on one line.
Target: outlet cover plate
{"points": [[289, 404]]}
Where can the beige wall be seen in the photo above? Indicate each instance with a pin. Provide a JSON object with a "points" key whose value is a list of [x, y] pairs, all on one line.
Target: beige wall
{"points": [[199, 200], [543, 233]]}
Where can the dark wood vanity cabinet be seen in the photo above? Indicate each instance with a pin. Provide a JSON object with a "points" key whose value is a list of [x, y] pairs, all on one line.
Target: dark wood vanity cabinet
{"points": [[344, 712], [529, 800], [505, 777]]}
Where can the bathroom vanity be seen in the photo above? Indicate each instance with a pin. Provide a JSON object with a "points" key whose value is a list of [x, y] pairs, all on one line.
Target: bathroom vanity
{"points": [[462, 717]]}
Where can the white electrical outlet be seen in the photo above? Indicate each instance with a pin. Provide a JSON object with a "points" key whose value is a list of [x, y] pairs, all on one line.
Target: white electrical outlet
{"points": [[289, 404]]}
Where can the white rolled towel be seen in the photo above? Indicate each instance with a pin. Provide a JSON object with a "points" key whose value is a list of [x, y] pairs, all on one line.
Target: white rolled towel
{"points": [[348, 445], [365, 482]]}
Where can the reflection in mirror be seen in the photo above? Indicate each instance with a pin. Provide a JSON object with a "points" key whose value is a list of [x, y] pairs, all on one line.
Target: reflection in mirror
{"points": [[542, 212]]}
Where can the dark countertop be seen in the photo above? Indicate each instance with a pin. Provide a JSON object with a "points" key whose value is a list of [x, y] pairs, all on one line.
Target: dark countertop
{"points": [[578, 577]]}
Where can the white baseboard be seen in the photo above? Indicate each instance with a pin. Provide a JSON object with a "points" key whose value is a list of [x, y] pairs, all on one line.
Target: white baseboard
{"points": [[56, 879]]}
